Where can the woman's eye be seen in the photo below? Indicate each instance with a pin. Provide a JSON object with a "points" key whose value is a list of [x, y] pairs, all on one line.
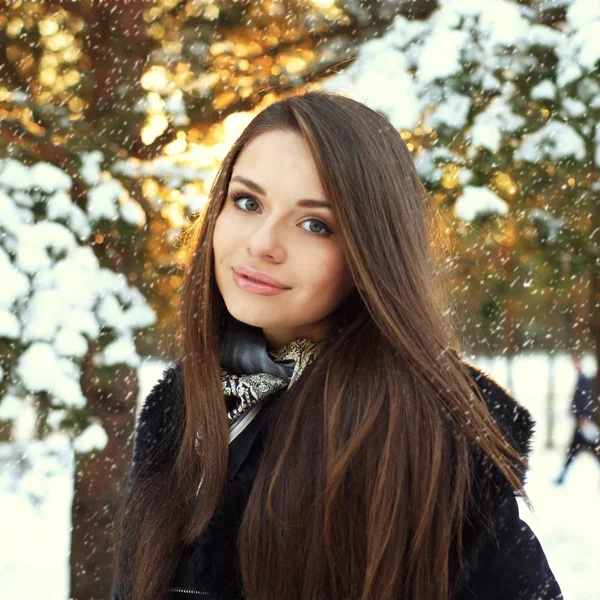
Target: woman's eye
{"points": [[320, 229], [250, 202]]}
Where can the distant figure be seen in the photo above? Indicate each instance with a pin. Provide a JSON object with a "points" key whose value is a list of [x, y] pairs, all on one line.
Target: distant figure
{"points": [[586, 432]]}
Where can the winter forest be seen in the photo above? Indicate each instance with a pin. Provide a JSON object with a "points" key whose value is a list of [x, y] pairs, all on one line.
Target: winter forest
{"points": [[114, 117]]}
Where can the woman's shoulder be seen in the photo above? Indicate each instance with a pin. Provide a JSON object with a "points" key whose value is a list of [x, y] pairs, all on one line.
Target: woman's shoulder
{"points": [[161, 412], [162, 398], [502, 557]]}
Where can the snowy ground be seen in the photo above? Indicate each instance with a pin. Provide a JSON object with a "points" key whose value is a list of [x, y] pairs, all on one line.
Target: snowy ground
{"points": [[35, 496], [565, 518]]}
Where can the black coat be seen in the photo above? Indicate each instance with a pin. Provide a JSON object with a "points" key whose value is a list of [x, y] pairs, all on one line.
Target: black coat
{"points": [[509, 565], [582, 405]]}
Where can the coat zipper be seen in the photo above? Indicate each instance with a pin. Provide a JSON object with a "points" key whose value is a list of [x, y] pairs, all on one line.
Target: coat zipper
{"points": [[234, 431], [182, 591], [240, 425], [237, 428]]}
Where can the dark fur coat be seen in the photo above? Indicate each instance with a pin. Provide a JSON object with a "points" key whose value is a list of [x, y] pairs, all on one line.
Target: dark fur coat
{"points": [[507, 565]]}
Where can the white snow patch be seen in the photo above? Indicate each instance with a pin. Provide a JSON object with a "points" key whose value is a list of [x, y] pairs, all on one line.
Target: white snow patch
{"points": [[555, 140], [103, 200], [14, 175], [452, 113], [133, 213], [61, 207], [476, 201], [383, 85], [545, 90], [42, 370], [10, 407], [90, 167], [49, 178], [433, 63], [10, 327], [93, 438], [15, 285], [121, 351], [39, 245]]}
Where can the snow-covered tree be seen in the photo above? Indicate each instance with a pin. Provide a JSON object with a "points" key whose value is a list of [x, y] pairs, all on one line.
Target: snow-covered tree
{"points": [[56, 299], [501, 111]]}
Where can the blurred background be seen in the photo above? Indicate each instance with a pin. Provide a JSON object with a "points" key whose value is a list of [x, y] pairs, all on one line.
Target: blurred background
{"points": [[114, 116]]}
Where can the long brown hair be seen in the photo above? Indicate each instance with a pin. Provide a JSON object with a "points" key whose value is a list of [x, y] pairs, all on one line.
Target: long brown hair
{"points": [[366, 477]]}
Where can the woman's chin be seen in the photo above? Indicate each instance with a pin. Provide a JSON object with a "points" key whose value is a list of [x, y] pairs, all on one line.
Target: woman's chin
{"points": [[262, 318]]}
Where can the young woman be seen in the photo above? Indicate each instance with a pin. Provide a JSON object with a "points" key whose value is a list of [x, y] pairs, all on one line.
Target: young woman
{"points": [[320, 437]]}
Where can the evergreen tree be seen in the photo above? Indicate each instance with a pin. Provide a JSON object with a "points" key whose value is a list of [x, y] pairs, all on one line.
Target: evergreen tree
{"points": [[503, 125]]}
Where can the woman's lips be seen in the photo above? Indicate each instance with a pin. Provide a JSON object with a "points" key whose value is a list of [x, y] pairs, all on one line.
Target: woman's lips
{"points": [[263, 289]]}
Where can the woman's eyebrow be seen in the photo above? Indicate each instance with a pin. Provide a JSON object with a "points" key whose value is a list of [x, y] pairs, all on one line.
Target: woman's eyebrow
{"points": [[306, 203]]}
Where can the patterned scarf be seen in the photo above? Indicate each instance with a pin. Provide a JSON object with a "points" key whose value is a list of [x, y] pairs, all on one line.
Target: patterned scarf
{"points": [[250, 372]]}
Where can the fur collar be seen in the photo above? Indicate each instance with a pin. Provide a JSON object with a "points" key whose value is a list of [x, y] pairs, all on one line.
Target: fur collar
{"points": [[158, 421], [161, 414], [513, 419]]}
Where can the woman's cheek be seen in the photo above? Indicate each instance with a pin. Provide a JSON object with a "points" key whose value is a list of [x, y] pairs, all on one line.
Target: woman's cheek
{"points": [[328, 279], [224, 234]]}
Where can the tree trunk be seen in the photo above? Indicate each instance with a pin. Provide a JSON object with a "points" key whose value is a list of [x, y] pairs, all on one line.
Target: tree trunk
{"points": [[510, 345], [594, 270], [550, 413], [100, 479], [595, 331]]}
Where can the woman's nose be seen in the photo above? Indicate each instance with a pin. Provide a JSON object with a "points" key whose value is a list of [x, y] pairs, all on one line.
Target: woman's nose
{"points": [[266, 242]]}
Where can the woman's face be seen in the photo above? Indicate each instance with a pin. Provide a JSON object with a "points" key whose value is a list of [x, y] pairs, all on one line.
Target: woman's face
{"points": [[268, 224]]}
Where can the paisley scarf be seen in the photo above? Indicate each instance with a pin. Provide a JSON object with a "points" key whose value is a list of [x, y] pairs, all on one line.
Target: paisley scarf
{"points": [[250, 372]]}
